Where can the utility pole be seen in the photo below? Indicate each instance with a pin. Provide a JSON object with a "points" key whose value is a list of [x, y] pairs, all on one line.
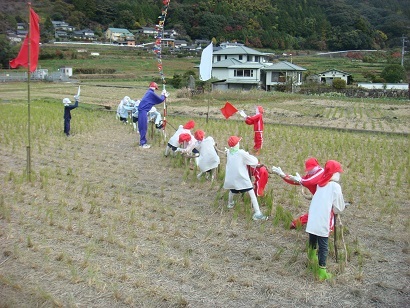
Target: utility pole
{"points": [[403, 40]]}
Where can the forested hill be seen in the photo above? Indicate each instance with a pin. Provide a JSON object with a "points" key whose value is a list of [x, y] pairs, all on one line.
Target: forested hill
{"points": [[274, 24]]}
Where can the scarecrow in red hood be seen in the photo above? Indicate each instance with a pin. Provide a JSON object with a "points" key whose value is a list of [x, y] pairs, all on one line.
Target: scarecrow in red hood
{"points": [[327, 201], [257, 122], [237, 178], [313, 174]]}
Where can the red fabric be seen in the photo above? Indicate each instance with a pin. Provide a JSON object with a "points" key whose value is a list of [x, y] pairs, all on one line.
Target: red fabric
{"points": [[261, 176], [233, 140], [184, 138], [228, 110], [309, 180], [199, 135], [311, 163], [189, 125], [257, 122], [331, 167], [153, 85], [34, 37], [300, 221]]}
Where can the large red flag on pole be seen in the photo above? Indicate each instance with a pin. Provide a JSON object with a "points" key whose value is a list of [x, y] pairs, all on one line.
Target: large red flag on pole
{"points": [[31, 41]]}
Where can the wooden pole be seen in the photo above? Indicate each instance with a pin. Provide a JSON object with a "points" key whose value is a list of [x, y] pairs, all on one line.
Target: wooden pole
{"points": [[28, 97], [335, 236]]}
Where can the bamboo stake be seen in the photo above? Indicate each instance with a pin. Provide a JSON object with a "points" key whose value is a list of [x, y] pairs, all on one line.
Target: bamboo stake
{"points": [[29, 98]]}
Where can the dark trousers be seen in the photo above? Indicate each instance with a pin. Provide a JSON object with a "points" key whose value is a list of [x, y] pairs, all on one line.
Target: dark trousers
{"points": [[323, 250], [67, 126]]}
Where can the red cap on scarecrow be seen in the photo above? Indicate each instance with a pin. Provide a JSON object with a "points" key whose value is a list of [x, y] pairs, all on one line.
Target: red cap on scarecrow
{"points": [[153, 85], [184, 138], [233, 140], [331, 168], [199, 135], [311, 163], [189, 125]]}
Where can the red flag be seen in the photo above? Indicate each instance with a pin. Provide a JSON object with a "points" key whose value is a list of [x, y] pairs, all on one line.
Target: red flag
{"points": [[228, 110], [34, 35]]}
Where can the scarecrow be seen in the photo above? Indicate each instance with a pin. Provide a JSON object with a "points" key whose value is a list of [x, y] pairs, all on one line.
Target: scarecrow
{"points": [[261, 175], [173, 142], [327, 200], [134, 114], [208, 159], [257, 122], [313, 174], [147, 102], [237, 178], [123, 107], [67, 113]]}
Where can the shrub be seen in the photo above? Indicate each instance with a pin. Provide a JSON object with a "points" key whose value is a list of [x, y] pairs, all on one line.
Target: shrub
{"points": [[394, 73], [339, 84], [94, 71]]}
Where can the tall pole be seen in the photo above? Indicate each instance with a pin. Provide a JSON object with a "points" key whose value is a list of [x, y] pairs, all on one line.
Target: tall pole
{"points": [[28, 98], [403, 40]]}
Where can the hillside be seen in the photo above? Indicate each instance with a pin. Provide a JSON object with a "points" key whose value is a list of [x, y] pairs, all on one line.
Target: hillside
{"points": [[282, 24]]}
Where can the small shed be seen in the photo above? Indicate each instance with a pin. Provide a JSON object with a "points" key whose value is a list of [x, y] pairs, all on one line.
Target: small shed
{"points": [[328, 76], [66, 71]]}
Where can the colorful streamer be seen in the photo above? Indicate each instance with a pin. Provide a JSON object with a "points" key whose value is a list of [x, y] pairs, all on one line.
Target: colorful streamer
{"points": [[158, 39], [158, 51]]}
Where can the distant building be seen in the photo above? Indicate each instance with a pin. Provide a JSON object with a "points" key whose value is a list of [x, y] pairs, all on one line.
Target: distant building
{"points": [[383, 86], [152, 32], [328, 76], [244, 68], [119, 35], [85, 35], [62, 25], [66, 71], [282, 73]]}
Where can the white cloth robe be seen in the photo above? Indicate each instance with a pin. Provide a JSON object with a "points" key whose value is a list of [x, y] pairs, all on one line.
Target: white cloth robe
{"points": [[326, 197], [208, 158], [236, 173]]}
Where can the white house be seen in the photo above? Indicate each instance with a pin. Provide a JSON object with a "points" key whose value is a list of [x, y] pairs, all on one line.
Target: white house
{"points": [[243, 68], [66, 71], [282, 73], [328, 76]]}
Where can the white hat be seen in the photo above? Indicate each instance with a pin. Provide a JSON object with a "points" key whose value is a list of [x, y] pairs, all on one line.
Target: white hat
{"points": [[153, 109], [126, 99], [66, 101]]}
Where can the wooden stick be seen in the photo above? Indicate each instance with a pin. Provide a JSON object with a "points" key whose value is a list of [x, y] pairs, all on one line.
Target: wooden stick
{"points": [[335, 236]]}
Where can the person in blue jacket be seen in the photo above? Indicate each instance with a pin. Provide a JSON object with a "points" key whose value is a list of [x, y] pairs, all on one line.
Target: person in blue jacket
{"points": [[67, 113], [147, 102]]}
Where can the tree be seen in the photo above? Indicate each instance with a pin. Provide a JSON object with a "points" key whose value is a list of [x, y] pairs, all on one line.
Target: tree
{"points": [[394, 73], [5, 51]]}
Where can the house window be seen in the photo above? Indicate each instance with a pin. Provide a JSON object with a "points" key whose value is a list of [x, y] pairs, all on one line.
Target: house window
{"points": [[257, 58], [226, 57], [249, 58], [243, 73], [240, 57], [218, 58], [278, 76]]}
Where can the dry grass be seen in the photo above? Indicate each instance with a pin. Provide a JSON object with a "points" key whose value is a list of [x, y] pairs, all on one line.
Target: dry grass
{"points": [[106, 224]]}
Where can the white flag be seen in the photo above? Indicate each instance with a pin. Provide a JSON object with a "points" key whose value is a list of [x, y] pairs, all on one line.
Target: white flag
{"points": [[205, 68]]}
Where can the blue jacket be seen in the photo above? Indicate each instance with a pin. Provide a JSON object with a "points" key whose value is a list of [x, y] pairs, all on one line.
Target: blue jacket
{"points": [[150, 99], [67, 113]]}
